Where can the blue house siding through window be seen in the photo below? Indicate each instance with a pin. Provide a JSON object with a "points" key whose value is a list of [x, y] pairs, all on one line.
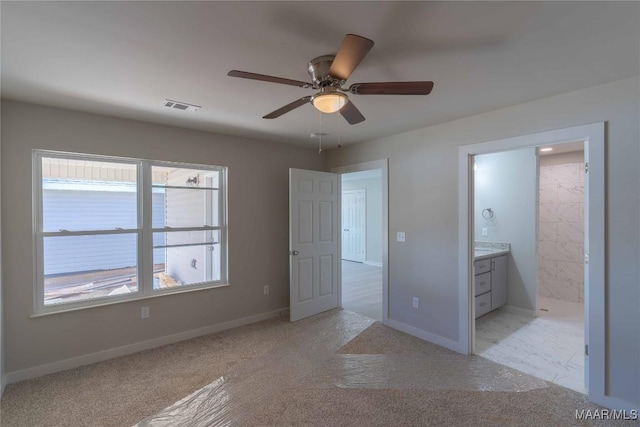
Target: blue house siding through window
{"points": [[109, 206]]}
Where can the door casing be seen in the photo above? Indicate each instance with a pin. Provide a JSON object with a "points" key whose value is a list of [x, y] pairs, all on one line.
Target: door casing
{"points": [[594, 135], [383, 165]]}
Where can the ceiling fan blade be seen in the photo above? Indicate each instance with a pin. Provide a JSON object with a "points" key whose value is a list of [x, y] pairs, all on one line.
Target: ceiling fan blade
{"points": [[292, 106], [351, 113], [352, 50], [265, 78], [392, 88]]}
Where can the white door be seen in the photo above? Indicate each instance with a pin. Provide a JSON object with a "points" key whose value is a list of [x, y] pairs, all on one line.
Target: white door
{"points": [[354, 225], [313, 242]]}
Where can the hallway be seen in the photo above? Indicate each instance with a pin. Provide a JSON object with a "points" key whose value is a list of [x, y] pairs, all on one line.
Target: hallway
{"points": [[362, 289]]}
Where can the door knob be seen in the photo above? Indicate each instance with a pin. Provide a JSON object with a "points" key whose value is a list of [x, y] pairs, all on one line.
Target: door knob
{"points": [[294, 253]]}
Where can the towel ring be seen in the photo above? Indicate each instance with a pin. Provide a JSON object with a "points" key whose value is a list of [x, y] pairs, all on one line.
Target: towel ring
{"points": [[487, 213]]}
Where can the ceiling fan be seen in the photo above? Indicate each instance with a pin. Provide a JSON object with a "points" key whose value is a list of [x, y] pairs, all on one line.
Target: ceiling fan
{"points": [[329, 73]]}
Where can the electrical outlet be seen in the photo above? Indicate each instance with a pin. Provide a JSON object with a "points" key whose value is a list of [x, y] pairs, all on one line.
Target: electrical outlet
{"points": [[144, 313], [416, 302], [401, 236], [485, 232], [265, 289]]}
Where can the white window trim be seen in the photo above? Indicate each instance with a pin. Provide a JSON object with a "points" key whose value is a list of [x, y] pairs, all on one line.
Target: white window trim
{"points": [[144, 232]]}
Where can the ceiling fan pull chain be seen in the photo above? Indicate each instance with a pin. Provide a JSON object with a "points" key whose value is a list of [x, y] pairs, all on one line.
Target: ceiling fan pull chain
{"points": [[339, 132], [320, 133]]}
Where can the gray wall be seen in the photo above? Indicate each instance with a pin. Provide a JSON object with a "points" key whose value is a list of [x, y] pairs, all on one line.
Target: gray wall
{"points": [[423, 202], [258, 231], [506, 183], [373, 189]]}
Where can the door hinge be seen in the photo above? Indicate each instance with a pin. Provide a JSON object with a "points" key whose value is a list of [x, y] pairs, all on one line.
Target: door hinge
{"points": [[586, 167], [586, 349]]}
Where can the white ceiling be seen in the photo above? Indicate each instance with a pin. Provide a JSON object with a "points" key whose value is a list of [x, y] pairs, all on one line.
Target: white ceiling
{"points": [[124, 58]]}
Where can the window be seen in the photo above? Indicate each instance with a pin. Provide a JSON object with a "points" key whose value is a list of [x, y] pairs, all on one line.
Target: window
{"points": [[112, 229]]}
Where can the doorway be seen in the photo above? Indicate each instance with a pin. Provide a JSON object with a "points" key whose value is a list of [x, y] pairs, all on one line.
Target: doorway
{"points": [[528, 229], [315, 267], [372, 274], [362, 242], [594, 243]]}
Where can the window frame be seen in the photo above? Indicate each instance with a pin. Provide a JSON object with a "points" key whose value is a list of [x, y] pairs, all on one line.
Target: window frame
{"points": [[144, 232]]}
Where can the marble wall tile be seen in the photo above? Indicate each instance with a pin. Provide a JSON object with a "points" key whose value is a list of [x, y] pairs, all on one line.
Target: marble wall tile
{"points": [[582, 293], [543, 289], [548, 212], [560, 251], [563, 290], [571, 271], [556, 174], [561, 231], [572, 232], [547, 268], [570, 193], [570, 212], [547, 251], [547, 231], [574, 251], [548, 193]]}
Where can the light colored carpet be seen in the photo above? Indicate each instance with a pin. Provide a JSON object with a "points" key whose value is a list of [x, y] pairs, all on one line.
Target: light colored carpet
{"points": [[381, 339], [266, 374]]}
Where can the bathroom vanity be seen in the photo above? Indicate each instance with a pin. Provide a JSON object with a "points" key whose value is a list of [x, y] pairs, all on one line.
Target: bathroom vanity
{"points": [[490, 284]]}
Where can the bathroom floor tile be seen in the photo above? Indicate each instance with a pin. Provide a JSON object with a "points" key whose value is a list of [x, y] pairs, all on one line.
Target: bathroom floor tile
{"points": [[550, 347]]}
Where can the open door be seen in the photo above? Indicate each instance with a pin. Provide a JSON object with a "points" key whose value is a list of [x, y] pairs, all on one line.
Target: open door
{"points": [[313, 242]]}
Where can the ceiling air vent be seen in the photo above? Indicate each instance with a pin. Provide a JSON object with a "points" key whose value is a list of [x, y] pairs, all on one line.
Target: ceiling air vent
{"points": [[180, 105]]}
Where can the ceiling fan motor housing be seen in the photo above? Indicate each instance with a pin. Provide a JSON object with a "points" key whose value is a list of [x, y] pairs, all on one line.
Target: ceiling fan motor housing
{"points": [[319, 71]]}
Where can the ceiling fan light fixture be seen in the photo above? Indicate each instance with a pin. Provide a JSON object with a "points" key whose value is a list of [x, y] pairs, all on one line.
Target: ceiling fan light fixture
{"points": [[330, 102]]}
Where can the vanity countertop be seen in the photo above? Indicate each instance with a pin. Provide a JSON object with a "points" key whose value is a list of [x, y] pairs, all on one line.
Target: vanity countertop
{"points": [[480, 254], [484, 250]]}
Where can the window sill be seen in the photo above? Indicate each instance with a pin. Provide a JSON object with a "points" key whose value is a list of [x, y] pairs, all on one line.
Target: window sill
{"points": [[62, 309]]}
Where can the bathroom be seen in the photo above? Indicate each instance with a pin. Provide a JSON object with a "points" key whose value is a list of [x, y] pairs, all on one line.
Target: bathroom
{"points": [[529, 215]]}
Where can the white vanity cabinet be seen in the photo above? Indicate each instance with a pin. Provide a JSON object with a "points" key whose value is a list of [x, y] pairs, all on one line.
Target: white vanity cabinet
{"points": [[490, 284]]}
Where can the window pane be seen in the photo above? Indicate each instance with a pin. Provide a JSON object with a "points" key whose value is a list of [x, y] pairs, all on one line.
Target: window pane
{"points": [[181, 177], [184, 258], [84, 267], [189, 197], [88, 195]]}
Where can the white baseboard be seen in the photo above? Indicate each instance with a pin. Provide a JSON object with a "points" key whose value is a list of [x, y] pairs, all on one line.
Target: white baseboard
{"points": [[424, 335], [518, 310], [373, 263], [87, 359]]}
